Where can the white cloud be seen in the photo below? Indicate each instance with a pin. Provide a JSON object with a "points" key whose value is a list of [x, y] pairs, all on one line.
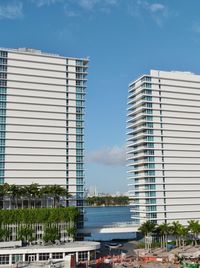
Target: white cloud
{"points": [[157, 11], [88, 4], [111, 156], [70, 13], [11, 11], [157, 7], [41, 3]]}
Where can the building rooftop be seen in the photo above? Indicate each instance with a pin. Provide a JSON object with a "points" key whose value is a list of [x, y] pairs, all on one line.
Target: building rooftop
{"points": [[67, 247], [33, 51]]}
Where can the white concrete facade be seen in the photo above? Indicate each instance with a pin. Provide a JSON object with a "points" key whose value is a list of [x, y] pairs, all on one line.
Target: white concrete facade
{"points": [[82, 251], [42, 119], [164, 147]]}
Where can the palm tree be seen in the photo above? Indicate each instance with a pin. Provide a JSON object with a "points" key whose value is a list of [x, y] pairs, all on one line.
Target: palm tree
{"points": [[183, 232], [57, 192], [4, 189], [194, 227], [32, 192], [15, 192], [175, 227], [147, 228], [164, 230]]}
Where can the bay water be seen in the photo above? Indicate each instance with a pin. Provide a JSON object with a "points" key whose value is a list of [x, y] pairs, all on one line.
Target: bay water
{"points": [[101, 216]]}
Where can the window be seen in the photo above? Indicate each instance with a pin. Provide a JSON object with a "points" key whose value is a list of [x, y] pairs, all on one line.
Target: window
{"points": [[149, 180], [146, 78], [3, 68], [80, 82], [79, 103], [149, 152], [79, 173], [3, 75], [17, 258], [79, 145], [83, 256], [3, 61], [79, 195], [79, 62], [3, 54], [149, 131], [150, 187], [79, 69], [151, 215], [79, 181], [147, 98], [57, 255], [151, 201], [79, 159], [150, 194], [147, 85], [79, 110], [79, 166], [43, 256], [79, 188], [79, 117], [79, 138], [148, 111], [151, 208], [147, 91], [2, 83], [150, 159], [148, 118], [80, 76], [148, 124], [79, 96], [150, 173], [4, 259], [149, 105], [79, 131], [149, 138], [80, 90], [150, 145], [149, 165], [79, 152]]}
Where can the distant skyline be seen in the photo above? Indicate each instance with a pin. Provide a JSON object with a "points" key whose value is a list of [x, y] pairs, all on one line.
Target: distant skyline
{"points": [[123, 39]]}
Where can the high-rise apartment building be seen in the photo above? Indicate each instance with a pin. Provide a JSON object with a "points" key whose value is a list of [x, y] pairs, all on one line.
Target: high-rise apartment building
{"points": [[42, 114], [164, 147]]}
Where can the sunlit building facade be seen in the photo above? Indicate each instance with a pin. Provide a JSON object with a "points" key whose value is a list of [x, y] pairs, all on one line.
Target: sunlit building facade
{"points": [[42, 119], [164, 147]]}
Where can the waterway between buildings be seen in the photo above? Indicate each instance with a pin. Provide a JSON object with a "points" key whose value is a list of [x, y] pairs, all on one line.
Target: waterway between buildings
{"points": [[99, 216]]}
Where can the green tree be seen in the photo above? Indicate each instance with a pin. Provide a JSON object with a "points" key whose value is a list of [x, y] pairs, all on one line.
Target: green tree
{"points": [[25, 234], [147, 228], [51, 234], [194, 228], [175, 227], [163, 230], [32, 192]]}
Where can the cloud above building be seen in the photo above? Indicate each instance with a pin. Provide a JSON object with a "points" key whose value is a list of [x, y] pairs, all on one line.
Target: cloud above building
{"points": [[11, 11], [111, 156]]}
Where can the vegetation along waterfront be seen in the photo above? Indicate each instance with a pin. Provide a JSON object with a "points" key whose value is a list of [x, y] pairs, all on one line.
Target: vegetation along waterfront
{"points": [[107, 200]]}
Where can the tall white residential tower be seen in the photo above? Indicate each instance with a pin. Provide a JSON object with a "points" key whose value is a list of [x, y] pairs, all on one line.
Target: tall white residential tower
{"points": [[164, 147], [42, 113]]}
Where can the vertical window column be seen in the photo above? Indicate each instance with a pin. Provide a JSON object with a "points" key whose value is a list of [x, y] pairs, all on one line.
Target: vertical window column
{"points": [[3, 92], [162, 150], [67, 104]]}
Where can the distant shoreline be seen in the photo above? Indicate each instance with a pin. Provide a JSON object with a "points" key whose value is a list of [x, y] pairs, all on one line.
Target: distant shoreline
{"points": [[102, 206]]}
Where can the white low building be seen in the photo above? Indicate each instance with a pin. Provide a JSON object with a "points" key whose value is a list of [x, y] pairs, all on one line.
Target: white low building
{"points": [[83, 252]]}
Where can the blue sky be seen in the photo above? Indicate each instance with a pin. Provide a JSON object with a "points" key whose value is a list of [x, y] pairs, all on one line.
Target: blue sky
{"points": [[123, 39]]}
